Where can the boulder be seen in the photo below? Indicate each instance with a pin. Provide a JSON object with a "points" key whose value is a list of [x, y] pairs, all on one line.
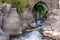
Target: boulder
{"points": [[12, 24]]}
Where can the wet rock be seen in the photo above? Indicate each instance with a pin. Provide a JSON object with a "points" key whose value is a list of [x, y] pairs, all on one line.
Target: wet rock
{"points": [[29, 35]]}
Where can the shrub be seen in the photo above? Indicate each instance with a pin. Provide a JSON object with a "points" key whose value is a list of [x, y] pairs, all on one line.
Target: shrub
{"points": [[19, 4], [0, 2], [40, 8]]}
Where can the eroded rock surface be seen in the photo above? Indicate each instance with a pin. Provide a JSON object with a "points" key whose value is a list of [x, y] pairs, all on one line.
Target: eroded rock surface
{"points": [[52, 24], [53, 21]]}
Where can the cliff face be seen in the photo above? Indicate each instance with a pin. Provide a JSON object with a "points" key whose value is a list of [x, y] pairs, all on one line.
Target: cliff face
{"points": [[52, 4]]}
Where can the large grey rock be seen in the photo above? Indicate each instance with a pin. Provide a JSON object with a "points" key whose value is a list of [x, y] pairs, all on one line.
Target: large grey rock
{"points": [[28, 18], [12, 23], [6, 8]]}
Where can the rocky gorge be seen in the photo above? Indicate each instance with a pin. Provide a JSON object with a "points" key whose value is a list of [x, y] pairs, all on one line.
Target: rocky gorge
{"points": [[12, 23]]}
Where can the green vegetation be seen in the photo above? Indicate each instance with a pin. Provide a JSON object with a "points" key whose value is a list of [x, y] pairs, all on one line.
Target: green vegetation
{"points": [[0, 2], [19, 4], [40, 8], [28, 28]]}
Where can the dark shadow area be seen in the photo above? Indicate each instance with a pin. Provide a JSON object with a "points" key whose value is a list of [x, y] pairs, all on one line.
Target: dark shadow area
{"points": [[40, 10]]}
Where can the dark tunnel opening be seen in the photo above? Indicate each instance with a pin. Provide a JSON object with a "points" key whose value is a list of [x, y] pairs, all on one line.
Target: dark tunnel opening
{"points": [[40, 9]]}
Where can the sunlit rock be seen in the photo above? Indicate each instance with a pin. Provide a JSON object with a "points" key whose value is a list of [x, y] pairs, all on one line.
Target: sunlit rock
{"points": [[52, 24], [6, 8]]}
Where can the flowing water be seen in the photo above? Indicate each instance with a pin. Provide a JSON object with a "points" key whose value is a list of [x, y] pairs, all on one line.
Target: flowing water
{"points": [[29, 35]]}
